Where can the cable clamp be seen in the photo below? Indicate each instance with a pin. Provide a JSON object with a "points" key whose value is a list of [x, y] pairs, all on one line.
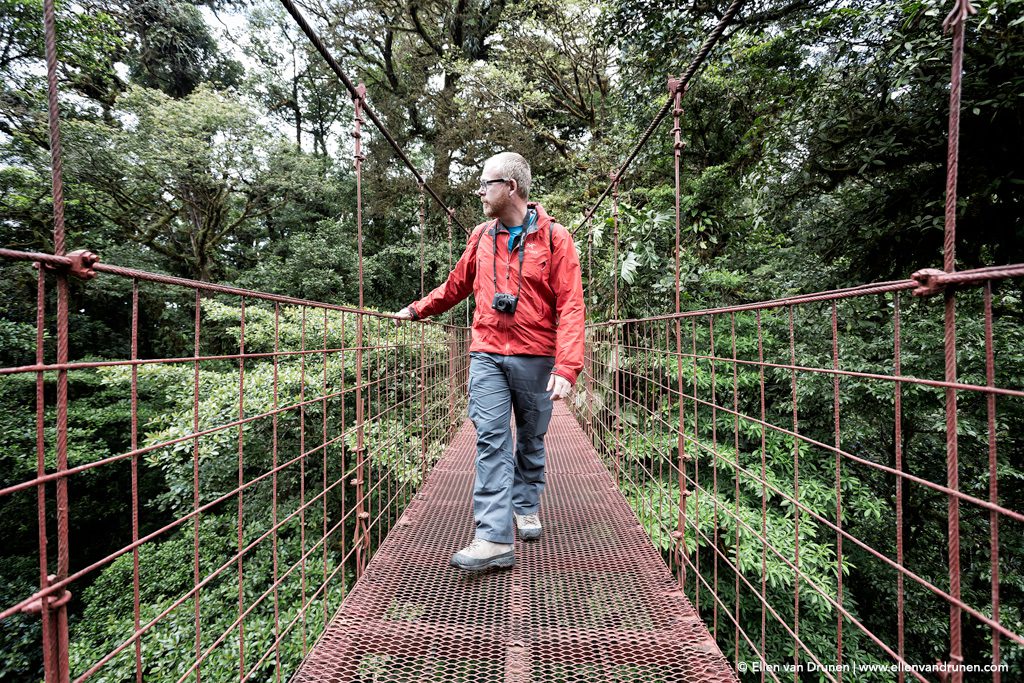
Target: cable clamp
{"points": [[929, 281], [79, 263], [53, 602]]}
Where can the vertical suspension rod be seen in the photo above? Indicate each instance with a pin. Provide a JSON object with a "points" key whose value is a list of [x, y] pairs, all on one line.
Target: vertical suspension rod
{"points": [[57, 604], [954, 22], [589, 344], [423, 342], [676, 94], [452, 347], [362, 531], [618, 327]]}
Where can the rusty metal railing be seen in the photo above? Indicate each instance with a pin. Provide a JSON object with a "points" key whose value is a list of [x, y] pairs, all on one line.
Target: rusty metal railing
{"points": [[276, 456], [766, 510], [711, 422], [318, 423], [330, 415]]}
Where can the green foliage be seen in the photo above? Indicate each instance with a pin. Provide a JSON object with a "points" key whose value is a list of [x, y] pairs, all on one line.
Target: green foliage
{"points": [[166, 574], [311, 441], [729, 452], [185, 177], [814, 157], [98, 426], [175, 50], [90, 46], [17, 339]]}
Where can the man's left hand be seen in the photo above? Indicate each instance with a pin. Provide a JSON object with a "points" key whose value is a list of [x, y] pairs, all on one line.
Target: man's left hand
{"points": [[404, 314], [559, 386]]}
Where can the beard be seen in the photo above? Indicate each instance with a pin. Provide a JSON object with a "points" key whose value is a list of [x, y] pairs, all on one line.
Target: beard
{"points": [[493, 207]]}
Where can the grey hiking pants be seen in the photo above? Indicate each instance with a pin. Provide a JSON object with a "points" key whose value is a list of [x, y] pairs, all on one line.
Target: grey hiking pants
{"points": [[498, 387]]}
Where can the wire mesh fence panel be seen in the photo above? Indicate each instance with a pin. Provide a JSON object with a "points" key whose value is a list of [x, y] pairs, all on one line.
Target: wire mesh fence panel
{"points": [[250, 453], [799, 464]]}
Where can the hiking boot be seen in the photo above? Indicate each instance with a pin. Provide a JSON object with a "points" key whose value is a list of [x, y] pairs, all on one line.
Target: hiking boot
{"points": [[528, 526], [482, 554]]}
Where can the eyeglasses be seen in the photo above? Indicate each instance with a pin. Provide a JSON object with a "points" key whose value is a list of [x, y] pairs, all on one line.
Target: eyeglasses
{"points": [[485, 183]]}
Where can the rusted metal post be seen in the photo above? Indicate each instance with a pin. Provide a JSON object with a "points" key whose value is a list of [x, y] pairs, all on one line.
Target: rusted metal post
{"points": [[323, 468], [274, 489], [50, 637], [618, 327], [681, 456], [764, 479], [56, 604], [343, 469], [362, 540], [955, 23], [714, 470], [302, 473], [839, 492], [195, 484], [589, 339], [696, 463], [736, 488], [993, 479], [136, 588], [241, 497], [898, 447], [453, 348], [423, 345], [796, 506]]}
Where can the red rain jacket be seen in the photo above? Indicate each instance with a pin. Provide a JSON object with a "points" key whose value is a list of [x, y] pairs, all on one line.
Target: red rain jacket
{"points": [[549, 318]]}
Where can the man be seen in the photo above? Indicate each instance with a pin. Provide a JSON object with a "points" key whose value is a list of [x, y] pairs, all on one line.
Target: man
{"points": [[527, 350]]}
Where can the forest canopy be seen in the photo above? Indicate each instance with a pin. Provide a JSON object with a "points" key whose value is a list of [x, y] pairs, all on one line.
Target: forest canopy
{"points": [[208, 139]]}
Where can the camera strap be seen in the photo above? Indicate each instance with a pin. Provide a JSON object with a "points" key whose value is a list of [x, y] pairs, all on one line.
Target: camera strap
{"points": [[494, 261]]}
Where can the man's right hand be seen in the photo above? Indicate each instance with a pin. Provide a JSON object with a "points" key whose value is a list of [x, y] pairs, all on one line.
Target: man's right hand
{"points": [[402, 315]]}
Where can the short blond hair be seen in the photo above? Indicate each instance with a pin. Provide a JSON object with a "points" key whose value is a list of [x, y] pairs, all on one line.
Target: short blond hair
{"points": [[514, 167]]}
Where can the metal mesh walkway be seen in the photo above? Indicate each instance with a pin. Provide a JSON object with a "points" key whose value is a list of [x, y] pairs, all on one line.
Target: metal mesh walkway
{"points": [[591, 601]]}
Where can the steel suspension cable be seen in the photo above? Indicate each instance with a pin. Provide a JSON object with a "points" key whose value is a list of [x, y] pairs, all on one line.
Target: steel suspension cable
{"points": [[318, 43], [675, 96], [56, 645], [954, 22], [681, 86]]}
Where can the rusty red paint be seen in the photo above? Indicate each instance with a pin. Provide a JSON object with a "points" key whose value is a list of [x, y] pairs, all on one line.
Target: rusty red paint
{"points": [[136, 588], [195, 489], [636, 337], [898, 448], [764, 499], [632, 385], [274, 490], [993, 478], [548, 619]]}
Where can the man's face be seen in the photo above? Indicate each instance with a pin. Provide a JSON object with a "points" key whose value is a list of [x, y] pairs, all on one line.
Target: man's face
{"points": [[495, 195]]}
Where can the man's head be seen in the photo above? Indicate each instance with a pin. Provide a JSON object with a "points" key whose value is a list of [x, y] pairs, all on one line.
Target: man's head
{"points": [[504, 184]]}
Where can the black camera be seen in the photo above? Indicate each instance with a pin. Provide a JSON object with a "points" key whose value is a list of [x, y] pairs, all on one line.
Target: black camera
{"points": [[505, 303]]}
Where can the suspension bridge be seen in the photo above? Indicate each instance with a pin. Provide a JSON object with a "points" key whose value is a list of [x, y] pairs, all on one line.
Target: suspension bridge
{"points": [[638, 576]]}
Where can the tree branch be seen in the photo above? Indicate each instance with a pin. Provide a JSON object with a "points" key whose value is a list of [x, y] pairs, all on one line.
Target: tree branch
{"points": [[414, 13]]}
